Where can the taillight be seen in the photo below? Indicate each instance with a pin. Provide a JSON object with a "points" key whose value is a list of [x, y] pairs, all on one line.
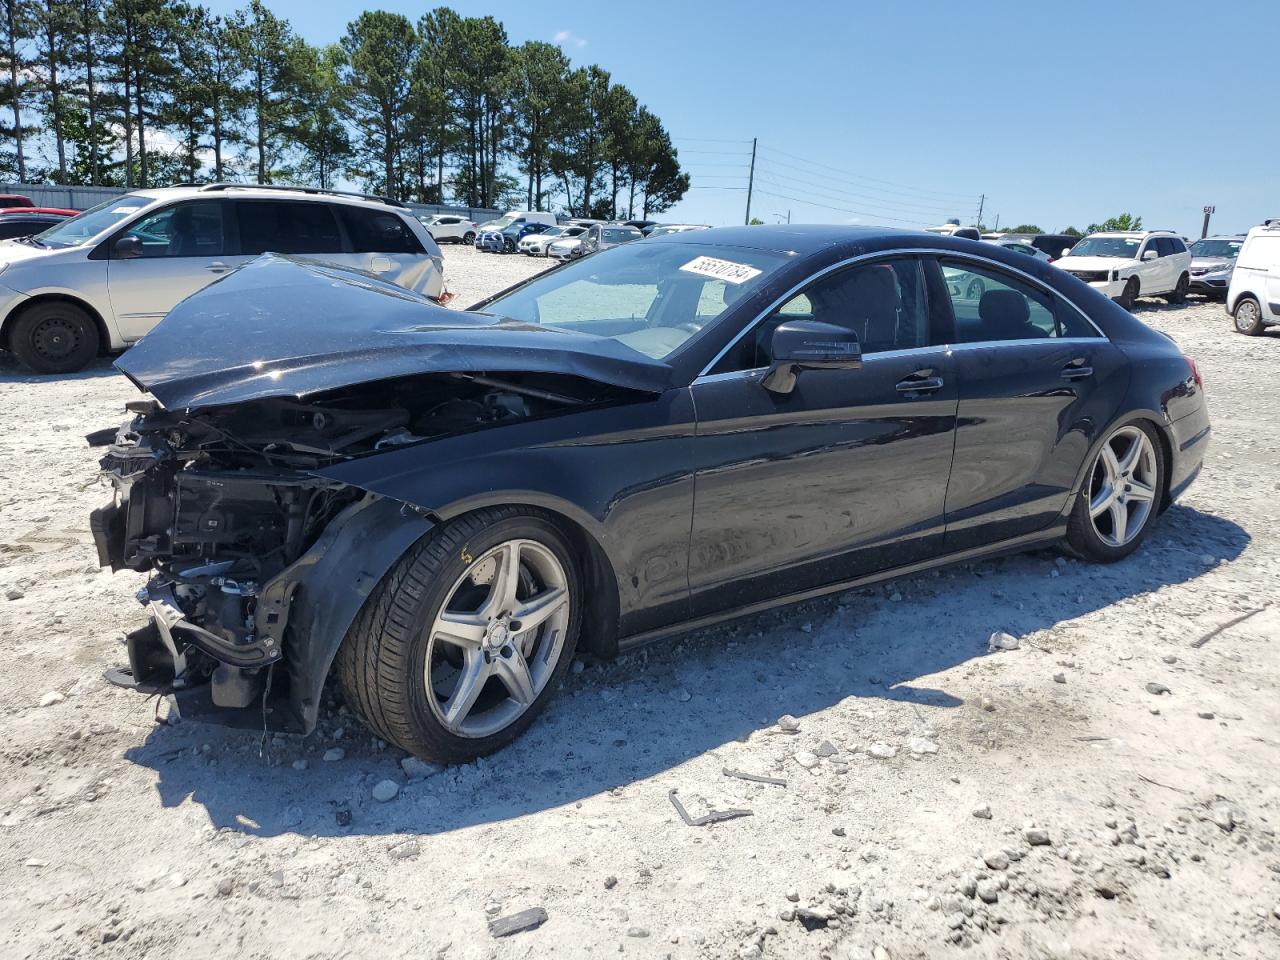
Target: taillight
{"points": [[1195, 371]]}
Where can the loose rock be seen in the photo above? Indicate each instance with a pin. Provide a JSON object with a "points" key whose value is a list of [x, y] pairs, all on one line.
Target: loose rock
{"points": [[1157, 689], [1036, 836], [416, 769], [529, 919], [334, 754], [386, 790], [982, 811], [1002, 641], [921, 746], [404, 851], [882, 750], [806, 759], [50, 698]]}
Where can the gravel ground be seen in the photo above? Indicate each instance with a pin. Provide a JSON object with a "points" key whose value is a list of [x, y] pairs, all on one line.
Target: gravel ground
{"points": [[939, 799]]}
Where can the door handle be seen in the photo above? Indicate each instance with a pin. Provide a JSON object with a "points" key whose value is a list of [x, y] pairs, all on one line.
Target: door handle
{"points": [[920, 383], [219, 267], [1077, 369]]}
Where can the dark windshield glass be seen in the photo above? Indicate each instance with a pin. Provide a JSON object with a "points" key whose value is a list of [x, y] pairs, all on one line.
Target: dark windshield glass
{"points": [[1125, 248], [1226, 249]]}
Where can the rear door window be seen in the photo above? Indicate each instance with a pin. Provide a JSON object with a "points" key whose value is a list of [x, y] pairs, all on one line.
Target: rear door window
{"points": [[277, 226], [990, 305], [378, 231]]}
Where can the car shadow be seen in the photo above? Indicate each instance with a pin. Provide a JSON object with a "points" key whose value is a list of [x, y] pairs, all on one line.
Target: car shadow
{"points": [[651, 711], [13, 371]]}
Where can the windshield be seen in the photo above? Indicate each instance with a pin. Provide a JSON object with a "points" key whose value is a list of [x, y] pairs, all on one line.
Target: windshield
{"points": [[86, 226], [650, 297], [1124, 247], [619, 236], [1225, 249]]}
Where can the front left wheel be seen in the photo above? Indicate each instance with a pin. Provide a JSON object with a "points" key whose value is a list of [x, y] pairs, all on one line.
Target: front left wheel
{"points": [[1121, 496], [1248, 317], [1179, 292], [466, 639], [54, 337]]}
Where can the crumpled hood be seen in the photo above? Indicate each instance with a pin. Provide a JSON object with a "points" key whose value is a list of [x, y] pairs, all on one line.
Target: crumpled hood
{"points": [[281, 327], [1092, 263]]}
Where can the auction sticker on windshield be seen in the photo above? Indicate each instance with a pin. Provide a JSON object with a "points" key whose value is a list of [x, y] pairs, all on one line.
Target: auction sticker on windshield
{"points": [[725, 270]]}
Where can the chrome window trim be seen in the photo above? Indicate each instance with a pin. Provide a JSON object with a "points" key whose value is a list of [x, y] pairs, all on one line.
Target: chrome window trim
{"points": [[947, 348], [886, 254]]}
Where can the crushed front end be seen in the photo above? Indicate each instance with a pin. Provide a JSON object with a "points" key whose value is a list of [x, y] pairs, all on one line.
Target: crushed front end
{"points": [[216, 519], [259, 562]]}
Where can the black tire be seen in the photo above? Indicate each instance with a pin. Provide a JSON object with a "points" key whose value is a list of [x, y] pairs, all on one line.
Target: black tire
{"points": [[1083, 540], [1130, 294], [1179, 293], [975, 289], [469, 237], [381, 663], [54, 337], [1247, 317]]}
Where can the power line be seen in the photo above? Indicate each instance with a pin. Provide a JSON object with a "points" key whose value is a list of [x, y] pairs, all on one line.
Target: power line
{"points": [[859, 213], [935, 208], [946, 196], [707, 140]]}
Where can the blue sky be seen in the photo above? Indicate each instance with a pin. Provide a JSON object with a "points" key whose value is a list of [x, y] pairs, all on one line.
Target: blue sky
{"points": [[904, 113]]}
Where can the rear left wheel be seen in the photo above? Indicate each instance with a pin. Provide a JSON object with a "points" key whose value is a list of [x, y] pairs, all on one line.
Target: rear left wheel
{"points": [[1248, 317], [1121, 496], [465, 640]]}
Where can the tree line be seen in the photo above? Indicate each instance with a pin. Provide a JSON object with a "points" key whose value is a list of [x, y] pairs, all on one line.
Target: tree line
{"points": [[143, 93]]}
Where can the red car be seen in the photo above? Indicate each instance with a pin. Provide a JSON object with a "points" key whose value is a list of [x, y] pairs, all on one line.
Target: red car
{"points": [[60, 211], [15, 200]]}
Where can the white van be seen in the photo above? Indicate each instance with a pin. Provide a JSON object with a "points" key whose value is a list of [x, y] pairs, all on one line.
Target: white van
{"points": [[518, 216], [99, 281], [1253, 299]]}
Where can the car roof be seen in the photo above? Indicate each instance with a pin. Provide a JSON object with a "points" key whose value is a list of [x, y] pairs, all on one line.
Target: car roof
{"points": [[265, 192], [802, 239]]}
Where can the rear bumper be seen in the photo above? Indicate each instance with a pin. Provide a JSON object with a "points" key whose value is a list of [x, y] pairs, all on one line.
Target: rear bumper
{"points": [[1189, 439]]}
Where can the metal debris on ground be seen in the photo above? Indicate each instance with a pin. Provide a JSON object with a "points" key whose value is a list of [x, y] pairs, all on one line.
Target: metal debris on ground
{"points": [[712, 816], [530, 919], [754, 777]]}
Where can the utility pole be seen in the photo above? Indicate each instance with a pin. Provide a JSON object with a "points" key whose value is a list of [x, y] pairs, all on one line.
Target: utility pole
{"points": [[982, 202], [751, 181], [1204, 231]]}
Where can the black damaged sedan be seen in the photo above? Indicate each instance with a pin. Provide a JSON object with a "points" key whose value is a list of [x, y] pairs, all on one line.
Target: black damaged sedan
{"points": [[332, 476]]}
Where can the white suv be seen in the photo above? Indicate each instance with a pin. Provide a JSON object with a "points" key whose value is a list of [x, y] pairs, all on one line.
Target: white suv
{"points": [[100, 280], [1253, 299], [1133, 264], [449, 226]]}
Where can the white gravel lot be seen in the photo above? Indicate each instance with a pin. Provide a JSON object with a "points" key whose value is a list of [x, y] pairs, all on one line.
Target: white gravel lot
{"points": [[123, 837]]}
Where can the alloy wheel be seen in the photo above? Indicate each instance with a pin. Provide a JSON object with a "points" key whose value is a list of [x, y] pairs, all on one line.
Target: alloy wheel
{"points": [[1122, 486], [975, 289], [496, 641]]}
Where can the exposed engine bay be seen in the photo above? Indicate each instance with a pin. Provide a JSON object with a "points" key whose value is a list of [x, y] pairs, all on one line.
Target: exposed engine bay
{"points": [[219, 502]]}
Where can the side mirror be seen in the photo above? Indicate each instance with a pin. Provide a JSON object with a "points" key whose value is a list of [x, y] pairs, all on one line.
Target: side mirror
{"points": [[1150, 254], [809, 345], [127, 248]]}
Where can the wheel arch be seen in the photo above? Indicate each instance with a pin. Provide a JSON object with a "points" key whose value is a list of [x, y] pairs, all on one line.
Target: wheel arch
{"points": [[104, 334], [1164, 444]]}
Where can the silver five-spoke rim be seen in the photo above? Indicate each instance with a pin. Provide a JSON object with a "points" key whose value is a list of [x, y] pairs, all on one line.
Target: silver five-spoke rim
{"points": [[1122, 488], [496, 641], [1247, 314]]}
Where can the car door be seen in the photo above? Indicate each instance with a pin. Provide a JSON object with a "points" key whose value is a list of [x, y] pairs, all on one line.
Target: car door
{"points": [[1036, 383], [181, 248], [843, 476], [380, 241]]}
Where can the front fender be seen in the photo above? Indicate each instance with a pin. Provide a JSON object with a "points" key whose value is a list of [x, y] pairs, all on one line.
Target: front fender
{"points": [[311, 604]]}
